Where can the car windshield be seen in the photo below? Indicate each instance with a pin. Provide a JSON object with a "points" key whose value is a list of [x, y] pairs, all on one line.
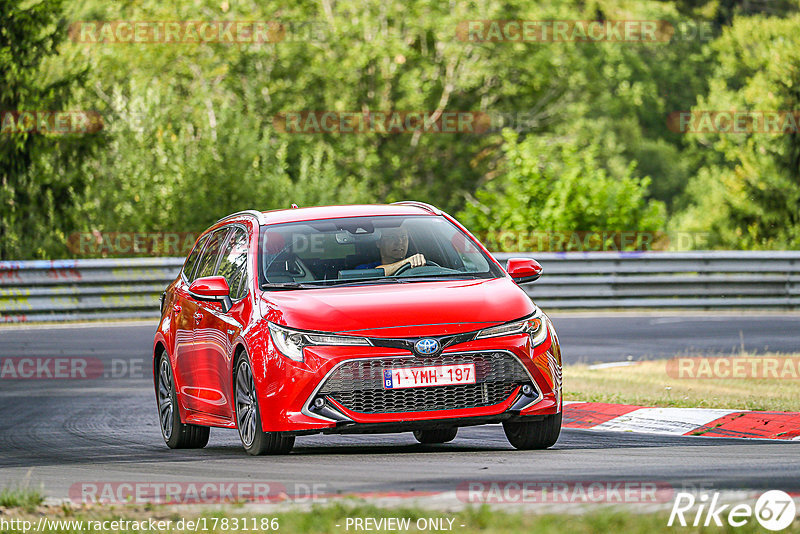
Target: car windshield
{"points": [[367, 250]]}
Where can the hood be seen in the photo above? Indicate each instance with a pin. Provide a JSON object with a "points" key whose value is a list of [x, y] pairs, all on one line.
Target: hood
{"points": [[400, 310]]}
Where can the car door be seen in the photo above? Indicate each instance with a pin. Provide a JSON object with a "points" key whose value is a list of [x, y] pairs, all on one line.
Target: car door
{"points": [[183, 309], [218, 329], [194, 374]]}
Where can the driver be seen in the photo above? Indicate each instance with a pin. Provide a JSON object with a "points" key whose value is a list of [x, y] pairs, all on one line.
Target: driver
{"points": [[393, 246]]}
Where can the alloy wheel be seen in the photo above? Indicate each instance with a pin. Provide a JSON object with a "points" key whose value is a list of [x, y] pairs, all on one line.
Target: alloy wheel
{"points": [[165, 407], [246, 403]]}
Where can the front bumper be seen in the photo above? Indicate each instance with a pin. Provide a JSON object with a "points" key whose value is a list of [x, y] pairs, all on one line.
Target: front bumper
{"points": [[348, 383]]}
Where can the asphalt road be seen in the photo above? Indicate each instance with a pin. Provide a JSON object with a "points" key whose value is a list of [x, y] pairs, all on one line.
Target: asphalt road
{"points": [[600, 337], [59, 433]]}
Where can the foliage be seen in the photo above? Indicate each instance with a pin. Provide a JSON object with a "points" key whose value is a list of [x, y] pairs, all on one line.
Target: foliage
{"points": [[748, 192], [40, 180], [557, 185], [21, 497], [189, 132]]}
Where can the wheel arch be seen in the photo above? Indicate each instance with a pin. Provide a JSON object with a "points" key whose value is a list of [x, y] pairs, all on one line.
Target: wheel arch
{"points": [[256, 355], [238, 349], [158, 349]]}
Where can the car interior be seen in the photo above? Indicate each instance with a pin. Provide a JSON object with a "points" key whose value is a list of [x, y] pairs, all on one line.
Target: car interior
{"points": [[343, 258]]}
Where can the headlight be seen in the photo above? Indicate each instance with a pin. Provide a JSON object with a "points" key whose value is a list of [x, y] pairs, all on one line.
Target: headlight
{"points": [[291, 342], [535, 326]]}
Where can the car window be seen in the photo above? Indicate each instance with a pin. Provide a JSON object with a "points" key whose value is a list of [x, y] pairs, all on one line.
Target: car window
{"points": [[233, 265], [207, 265], [191, 261]]}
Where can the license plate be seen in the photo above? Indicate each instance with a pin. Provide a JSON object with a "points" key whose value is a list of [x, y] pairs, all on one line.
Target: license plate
{"points": [[433, 375]]}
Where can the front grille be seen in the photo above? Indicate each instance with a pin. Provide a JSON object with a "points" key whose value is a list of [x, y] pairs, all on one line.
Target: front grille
{"points": [[358, 384]]}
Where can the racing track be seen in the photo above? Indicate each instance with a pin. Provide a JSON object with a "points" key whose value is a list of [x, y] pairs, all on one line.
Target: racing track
{"points": [[62, 432]]}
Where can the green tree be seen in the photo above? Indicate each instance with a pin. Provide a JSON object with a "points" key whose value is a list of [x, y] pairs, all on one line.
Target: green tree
{"points": [[40, 174], [748, 193], [189, 132], [555, 185]]}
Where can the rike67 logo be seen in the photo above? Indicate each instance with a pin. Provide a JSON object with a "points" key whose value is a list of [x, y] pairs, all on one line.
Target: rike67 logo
{"points": [[774, 510]]}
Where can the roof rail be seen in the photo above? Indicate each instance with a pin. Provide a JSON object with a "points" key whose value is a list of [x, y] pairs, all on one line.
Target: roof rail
{"points": [[254, 213], [417, 204]]}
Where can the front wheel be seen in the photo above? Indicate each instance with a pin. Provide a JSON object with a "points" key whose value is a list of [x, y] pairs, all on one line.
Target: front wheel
{"points": [[248, 419], [176, 434], [534, 434]]}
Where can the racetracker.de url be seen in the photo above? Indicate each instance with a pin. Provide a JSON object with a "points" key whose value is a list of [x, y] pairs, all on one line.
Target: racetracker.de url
{"points": [[200, 524]]}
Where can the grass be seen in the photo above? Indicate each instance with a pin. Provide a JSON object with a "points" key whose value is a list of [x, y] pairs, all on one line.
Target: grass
{"points": [[333, 518], [647, 383], [25, 498]]}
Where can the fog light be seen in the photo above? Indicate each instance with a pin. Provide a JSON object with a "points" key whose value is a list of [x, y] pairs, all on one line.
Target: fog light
{"points": [[527, 390], [319, 402]]}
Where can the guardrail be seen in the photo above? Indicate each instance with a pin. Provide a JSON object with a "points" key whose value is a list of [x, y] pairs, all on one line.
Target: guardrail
{"points": [[69, 290], [63, 290], [704, 280]]}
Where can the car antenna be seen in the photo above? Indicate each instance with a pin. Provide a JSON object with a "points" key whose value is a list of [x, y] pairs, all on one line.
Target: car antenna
{"points": [[294, 206]]}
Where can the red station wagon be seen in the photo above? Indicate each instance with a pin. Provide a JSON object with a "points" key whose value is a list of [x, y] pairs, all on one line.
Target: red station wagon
{"points": [[352, 319]]}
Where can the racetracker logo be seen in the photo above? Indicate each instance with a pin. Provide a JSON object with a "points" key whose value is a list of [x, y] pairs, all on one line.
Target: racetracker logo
{"points": [[177, 32], [774, 122], [50, 368], [525, 492], [387, 122], [192, 492], [559, 31], [72, 368], [50, 122], [735, 367], [586, 241], [131, 243]]}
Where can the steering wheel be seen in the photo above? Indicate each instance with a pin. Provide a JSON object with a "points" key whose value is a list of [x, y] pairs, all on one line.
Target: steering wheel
{"points": [[406, 266]]}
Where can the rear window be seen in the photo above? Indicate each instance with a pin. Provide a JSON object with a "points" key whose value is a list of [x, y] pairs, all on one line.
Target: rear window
{"points": [[207, 265], [191, 261], [233, 265]]}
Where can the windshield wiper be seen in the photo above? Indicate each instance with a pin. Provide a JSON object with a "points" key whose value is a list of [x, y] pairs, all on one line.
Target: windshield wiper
{"points": [[444, 276], [320, 284], [368, 281], [287, 285]]}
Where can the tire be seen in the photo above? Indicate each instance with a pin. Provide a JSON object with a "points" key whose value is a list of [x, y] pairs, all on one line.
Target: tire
{"points": [[176, 434], [248, 417], [439, 435], [534, 434]]}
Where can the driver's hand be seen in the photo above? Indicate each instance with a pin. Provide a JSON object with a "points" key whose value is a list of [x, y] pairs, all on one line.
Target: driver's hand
{"points": [[417, 260]]}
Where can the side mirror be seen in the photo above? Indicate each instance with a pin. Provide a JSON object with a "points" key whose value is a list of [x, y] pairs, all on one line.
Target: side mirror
{"points": [[523, 270], [213, 289]]}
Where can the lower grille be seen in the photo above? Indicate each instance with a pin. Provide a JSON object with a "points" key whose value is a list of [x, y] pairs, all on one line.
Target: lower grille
{"points": [[358, 384]]}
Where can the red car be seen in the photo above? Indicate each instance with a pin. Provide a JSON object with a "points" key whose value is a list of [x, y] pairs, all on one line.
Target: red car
{"points": [[352, 319]]}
